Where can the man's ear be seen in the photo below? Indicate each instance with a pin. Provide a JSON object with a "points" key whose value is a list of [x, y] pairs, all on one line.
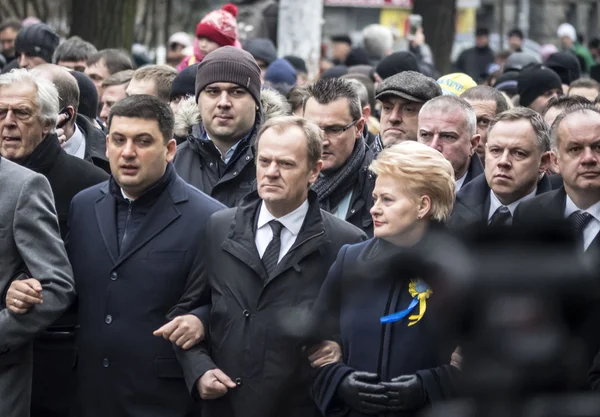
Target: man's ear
{"points": [[171, 150], [474, 143]]}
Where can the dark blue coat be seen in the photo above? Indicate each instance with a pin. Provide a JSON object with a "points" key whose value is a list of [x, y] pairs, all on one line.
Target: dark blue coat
{"points": [[359, 290], [123, 370]]}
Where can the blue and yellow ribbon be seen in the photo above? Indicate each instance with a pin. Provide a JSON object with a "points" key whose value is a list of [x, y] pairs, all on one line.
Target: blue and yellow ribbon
{"points": [[420, 292]]}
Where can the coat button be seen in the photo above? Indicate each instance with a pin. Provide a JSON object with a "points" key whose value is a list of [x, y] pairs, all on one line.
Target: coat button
{"points": [[352, 211], [235, 173], [247, 157], [246, 313], [211, 164], [113, 276], [105, 362], [238, 381], [108, 319]]}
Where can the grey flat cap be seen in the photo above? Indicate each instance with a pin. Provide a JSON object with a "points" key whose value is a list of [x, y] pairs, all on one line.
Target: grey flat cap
{"points": [[410, 85]]}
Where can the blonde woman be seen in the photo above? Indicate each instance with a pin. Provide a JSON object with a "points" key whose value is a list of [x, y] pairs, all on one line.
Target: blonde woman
{"points": [[391, 359]]}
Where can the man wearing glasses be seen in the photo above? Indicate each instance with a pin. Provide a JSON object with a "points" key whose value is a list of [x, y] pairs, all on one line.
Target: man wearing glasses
{"points": [[345, 184]]}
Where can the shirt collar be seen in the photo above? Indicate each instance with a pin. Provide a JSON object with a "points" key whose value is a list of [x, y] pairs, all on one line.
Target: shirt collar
{"points": [[495, 203], [74, 145], [460, 182], [571, 207], [227, 157], [292, 221]]}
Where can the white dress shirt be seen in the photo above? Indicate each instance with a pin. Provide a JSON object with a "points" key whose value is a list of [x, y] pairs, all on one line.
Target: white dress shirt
{"points": [[460, 182], [593, 227], [76, 145], [292, 223], [495, 204]]}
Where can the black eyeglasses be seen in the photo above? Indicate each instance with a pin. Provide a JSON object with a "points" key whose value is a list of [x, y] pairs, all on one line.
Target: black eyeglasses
{"points": [[337, 130]]}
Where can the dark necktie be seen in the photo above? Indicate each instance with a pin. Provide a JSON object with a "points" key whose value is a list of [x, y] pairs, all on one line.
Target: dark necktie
{"points": [[271, 255], [580, 220], [501, 217]]}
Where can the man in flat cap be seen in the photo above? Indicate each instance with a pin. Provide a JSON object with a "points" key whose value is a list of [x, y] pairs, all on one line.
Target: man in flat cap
{"points": [[402, 96], [35, 45]]}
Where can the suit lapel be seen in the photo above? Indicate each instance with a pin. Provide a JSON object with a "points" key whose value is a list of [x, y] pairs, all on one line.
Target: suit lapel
{"points": [[159, 218], [106, 215], [556, 205]]}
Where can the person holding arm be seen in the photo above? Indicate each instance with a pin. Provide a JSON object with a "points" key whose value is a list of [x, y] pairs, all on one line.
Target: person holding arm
{"points": [[394, 361]]}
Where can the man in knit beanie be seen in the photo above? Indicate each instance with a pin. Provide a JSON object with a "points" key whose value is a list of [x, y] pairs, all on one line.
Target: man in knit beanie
{"points": [[216, 29], [35, 45], [218, 157], [536, 86]]}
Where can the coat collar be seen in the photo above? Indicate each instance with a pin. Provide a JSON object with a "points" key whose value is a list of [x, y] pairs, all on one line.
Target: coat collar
{"points": [[44, 156], [240, 240], [475, 169], [162, 214]]}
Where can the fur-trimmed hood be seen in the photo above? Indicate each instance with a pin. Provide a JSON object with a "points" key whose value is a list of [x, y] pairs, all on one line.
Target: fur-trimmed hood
{"points": [[273, 104]]}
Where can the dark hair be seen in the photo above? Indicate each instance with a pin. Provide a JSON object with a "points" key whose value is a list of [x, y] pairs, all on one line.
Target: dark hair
{"points": [[485, 93], [74, 49], [594, 43], [482, 32], [147, 107], [574, 109], [114, 59], [14, 24], [328, 90], [584, 83], [564, 102], [516, 32], [162, 75], [296, 97], [342, 39]]}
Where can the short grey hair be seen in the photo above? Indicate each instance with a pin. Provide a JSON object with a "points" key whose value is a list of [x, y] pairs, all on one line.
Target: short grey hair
{"points": [[555, 139], [47, 95], [378, 40], [453, 103], [74, 49], [361, 90], [536, 120], [328, 90]]}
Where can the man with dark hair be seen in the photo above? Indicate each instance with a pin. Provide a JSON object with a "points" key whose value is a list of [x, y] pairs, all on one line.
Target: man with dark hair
{"points": [[475, 61], [54, 350], [341, 45], [155, 80], [515, 40], [585, 87], [517, 156], [74, 53], [105, 63], [87, 143], [35, 45], [267, 260], [114, 88], [134, 243], [536, 85], [218, 157], [557, 105], [345, 185], [8, 33], [487, 103]]}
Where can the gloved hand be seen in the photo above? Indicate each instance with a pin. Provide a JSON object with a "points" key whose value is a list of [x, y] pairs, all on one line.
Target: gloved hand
{"points": [[405, 393], [363, 392]]}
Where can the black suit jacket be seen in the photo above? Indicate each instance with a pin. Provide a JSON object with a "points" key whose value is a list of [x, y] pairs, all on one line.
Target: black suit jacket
{"points": [[473, 202], [475, 169], [66, 174], [95, 143]]}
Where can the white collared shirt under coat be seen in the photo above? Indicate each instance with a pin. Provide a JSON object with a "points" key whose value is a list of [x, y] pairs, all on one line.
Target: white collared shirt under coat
{"points": [[593, 227]]}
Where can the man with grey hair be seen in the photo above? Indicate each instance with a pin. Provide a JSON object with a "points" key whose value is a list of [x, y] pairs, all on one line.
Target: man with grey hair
{"points": [[516, 159], [345, 184], [74, 53], [373, 141], [30, 240], [402, 96], [378, 41], [448, 124]]}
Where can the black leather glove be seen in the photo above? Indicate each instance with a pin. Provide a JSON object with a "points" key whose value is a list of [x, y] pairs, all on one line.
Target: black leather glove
{"points": [[363, 392], [405, 393]]}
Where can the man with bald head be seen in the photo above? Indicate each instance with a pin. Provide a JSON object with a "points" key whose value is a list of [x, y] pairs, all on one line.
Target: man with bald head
{"points": [[76, 132], [29, 139]]}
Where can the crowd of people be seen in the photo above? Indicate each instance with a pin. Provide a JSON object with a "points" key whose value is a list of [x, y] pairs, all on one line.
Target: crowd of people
{"points": [[216, 236]]}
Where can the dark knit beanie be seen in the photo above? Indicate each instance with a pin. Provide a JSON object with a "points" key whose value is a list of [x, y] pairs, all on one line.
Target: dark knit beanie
{"points": [[281, 72], [534, 82], [37, 40], [335, 72], [261, 49], [229, 65], [88, 95], [298, 63], [507, 82], [185, 82], [566, 65], [357, 56], [396, 63]]}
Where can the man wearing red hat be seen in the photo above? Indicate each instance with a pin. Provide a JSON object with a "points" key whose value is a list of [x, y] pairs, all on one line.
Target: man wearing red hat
{"points": [[216, 29]]}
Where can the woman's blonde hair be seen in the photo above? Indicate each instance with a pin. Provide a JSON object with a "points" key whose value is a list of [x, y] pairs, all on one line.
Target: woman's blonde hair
{"points": [[422, 171]]}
